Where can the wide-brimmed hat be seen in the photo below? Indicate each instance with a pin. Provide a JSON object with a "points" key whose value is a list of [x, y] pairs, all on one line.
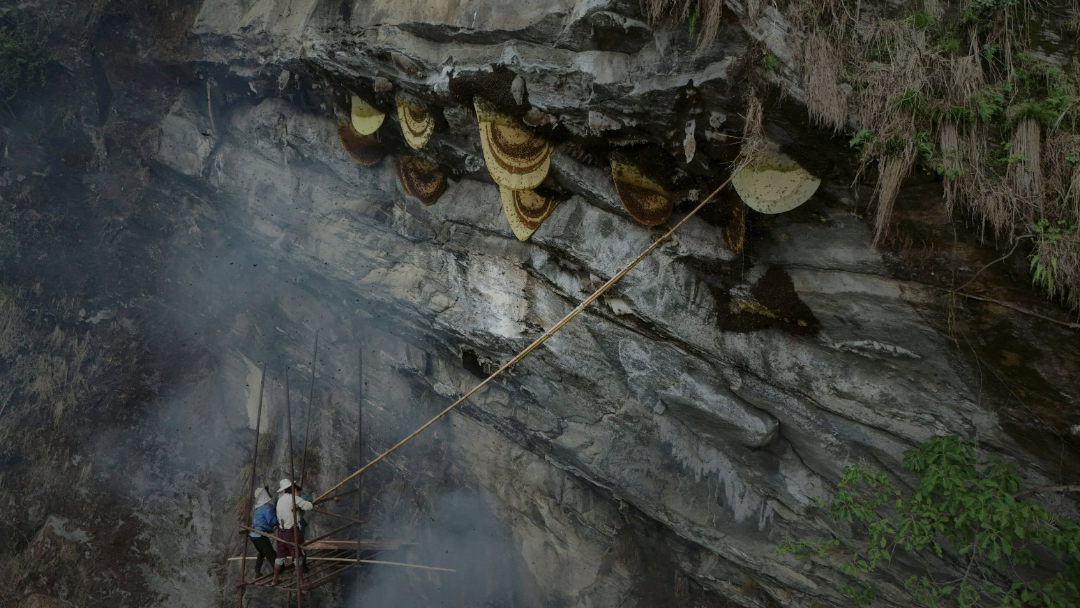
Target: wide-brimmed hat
{"points": [[283, 485]]}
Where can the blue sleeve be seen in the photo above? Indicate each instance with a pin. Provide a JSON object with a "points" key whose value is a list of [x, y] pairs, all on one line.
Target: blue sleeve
{"points": [[265, 519]]}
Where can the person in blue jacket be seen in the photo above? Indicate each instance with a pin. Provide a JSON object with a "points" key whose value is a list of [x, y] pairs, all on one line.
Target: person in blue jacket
{"points": [[264, 520]]}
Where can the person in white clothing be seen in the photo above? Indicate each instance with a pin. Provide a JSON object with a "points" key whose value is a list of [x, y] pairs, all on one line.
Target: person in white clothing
{"points": [[289, 492]]}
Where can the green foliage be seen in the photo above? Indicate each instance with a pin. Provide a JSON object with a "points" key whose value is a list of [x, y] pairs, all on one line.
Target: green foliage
{"points": [[1060, 242], [993, 5], [772, 62], [950, 46], [989, 104], [1041, 112], [1049, 93], [920, 19], [911, 100], [963, 512], [23, 60], [861, 138], [924, 146]]}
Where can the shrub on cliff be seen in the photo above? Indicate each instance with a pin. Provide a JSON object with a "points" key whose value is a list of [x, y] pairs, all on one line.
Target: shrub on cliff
{"points": [[23, 59], [966, 515]]}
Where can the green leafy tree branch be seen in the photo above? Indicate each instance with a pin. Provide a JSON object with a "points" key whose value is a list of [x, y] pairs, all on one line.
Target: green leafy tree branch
{"points": [[964, 512]]}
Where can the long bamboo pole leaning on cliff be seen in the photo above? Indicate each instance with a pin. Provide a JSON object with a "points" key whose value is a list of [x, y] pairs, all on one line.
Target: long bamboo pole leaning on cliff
{"points": [[307, 423], [251, 489], [292, 493], [359, 459], [543, 338]]}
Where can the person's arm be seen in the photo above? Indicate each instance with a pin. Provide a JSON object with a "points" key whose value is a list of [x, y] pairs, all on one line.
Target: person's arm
{"points": [[261, 521], [302, 504]]}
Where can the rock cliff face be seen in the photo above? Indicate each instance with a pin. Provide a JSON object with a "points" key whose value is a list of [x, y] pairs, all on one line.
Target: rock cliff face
{"points": [[656, 449]]}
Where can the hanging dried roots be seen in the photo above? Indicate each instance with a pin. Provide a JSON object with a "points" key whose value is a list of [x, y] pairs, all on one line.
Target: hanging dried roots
{"points": [[825, 101], [964, 79], [893, 170], [707, 14], [1025, 170], [754, 8], [1062, 175], [949, 142], [753, 129]]}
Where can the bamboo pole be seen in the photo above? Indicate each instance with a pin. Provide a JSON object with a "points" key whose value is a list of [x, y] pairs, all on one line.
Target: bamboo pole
{"points": [[251, 489], [536, 343], [341, 495], [338, 515], [359, 459], [279, 539], [292, 493], [320, 568], [307, 423], [334, 573], [403, 565], [362, 561], [269, 535], [330, 533]]}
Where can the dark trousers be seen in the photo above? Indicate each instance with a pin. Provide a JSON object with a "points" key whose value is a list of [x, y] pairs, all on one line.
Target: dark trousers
{"points": [[266, 552]]}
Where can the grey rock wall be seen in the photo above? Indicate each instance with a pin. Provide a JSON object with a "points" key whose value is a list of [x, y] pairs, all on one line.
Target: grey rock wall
{"points": [[649, 453]]}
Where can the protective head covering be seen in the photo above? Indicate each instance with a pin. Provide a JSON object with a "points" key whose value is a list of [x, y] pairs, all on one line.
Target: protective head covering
{"points": [[261, 497], [283, 485]]}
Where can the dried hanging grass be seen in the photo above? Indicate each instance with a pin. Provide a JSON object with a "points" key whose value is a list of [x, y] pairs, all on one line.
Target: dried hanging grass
{"points": [[997, 205], [965, 79], [711, 11], [754, 8], [754, 141], [805, 15], [678, 11], [658, 11], [1062, 175], [825, 101], [949, 143], [881, 84], [1025, 169], [933, 8], [892, 171]]}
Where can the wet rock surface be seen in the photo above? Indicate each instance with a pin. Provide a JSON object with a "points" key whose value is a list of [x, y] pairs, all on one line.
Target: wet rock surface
{"points": [[651, 453]]}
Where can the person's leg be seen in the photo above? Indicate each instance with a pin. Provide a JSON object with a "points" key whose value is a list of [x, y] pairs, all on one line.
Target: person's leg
{"points": [[266, 553], [302, 558], [283, 551]]}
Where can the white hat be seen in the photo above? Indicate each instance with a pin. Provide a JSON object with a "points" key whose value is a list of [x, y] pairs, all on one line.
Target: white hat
{"points": [[283, 485], [261, 497]]}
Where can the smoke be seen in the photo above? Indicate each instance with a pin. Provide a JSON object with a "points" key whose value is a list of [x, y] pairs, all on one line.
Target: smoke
{"points": [[459, 531]]}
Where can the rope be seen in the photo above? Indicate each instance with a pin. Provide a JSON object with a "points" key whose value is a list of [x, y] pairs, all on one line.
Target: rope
{"points": [[536, 343]]}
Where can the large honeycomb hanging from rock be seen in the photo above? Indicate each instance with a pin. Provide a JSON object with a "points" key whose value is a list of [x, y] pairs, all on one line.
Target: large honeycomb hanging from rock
{"points": [[363, 149], [525, 210], [417, 122], [366, 119], [774, 183], [516, 157], [644, 199], [420, 179]]}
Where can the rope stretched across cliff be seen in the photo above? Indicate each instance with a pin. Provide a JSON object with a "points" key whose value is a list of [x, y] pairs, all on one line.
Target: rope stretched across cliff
{"points": [[573, 313]]}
